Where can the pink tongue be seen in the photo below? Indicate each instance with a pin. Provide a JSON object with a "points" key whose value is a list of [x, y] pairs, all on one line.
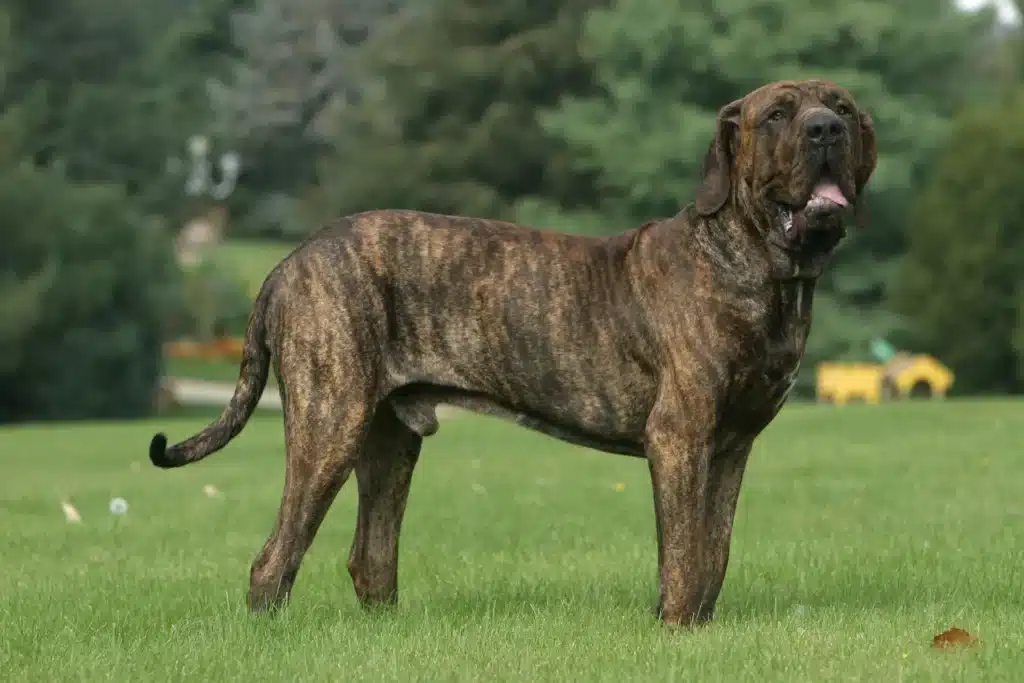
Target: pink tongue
{"points": [[831, 192]]}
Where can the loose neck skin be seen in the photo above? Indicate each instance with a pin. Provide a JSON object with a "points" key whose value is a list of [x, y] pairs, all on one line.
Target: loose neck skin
{"points": [[727, 247], [720, 258]]}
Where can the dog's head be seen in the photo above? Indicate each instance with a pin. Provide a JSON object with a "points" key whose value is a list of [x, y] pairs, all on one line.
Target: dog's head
{"points": [[794, 157]]}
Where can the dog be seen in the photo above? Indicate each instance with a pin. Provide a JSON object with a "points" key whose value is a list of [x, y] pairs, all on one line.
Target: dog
{"points": [[677, 341]]}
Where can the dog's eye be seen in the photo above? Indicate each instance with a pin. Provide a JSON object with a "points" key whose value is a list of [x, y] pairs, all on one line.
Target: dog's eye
{"points": [[777, 115], [843, 110]]}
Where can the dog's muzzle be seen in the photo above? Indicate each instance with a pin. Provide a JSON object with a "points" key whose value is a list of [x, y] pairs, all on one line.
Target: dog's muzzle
{"points": [[819, 222]]}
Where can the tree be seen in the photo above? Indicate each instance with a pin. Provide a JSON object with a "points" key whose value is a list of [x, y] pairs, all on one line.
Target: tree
{"points": [[962, 280], [448, 118], [85, 282], [294, 70], [280, 102], [665, 70], [23, 281], [114, 87]]}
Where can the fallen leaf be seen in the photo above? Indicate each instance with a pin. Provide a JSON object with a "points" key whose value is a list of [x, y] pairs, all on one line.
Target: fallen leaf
{"points": [[954, 637], [211, 491], [620, 487], [70, 513]]}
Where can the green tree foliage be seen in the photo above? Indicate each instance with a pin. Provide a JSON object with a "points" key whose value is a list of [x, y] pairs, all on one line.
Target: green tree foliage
{"points": [[1018, 333], [115, 87], [215, 302], [666, 68], [280, 102], [84, 284], [962, 280], [448, 120]]}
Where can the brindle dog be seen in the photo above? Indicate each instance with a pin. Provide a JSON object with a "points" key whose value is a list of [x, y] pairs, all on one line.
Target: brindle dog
{"points": [[677, 342]]}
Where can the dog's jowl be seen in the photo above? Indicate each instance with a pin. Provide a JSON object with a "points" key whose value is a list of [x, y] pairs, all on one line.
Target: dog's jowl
{"points": [[677, 341]]}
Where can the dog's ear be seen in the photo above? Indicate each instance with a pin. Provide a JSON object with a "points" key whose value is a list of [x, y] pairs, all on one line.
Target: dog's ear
{"points": [[865, 166], [868, 154], [716, 173]]}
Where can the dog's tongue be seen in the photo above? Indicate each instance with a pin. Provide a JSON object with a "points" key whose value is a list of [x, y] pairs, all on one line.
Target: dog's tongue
{"points": [[831, 192]]}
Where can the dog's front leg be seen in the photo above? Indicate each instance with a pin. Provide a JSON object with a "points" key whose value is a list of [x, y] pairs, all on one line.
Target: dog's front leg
{"points": [[679, 448], [725, 475]]}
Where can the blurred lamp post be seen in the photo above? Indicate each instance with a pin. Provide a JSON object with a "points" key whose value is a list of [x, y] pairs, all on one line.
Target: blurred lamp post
{"points": [[200, 179], [203, 180]]}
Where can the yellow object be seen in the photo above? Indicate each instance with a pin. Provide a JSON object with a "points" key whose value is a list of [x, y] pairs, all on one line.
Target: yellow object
{"points": [[905, 376], [842, 383]]}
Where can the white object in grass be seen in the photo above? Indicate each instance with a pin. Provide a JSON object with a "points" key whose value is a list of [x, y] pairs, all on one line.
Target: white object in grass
{"points": [[70, 513]]}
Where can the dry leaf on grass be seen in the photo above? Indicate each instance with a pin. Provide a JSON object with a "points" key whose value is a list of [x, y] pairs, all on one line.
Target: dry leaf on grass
{"points": [[70, 513], [953, 638]]}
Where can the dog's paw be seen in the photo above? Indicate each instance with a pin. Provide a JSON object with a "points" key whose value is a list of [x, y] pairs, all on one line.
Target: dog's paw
{"points": [[684, 619]]}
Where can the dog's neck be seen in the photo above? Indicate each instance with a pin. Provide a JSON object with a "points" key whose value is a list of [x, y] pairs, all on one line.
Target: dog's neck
{"points": [[745, 248], [778, 285], [727, 262], [726, 251]]}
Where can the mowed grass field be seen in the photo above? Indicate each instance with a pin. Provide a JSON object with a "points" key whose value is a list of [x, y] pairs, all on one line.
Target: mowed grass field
{"points": [[252, 260], [861, 533], [210, 370]]}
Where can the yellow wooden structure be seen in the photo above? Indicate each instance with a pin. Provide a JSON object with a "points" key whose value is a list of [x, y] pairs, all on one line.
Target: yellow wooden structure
{"points": [[903, 376]]}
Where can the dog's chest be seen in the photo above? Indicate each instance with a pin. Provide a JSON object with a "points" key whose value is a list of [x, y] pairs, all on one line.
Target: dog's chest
{"points": [[780, 370], [776, 353]]}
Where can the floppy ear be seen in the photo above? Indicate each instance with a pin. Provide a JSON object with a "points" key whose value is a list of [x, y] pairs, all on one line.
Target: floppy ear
{"points": [[716, 184], [868, 155]]}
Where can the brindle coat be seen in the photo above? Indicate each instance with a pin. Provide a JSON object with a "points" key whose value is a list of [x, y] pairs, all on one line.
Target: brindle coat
{"points": [[677, 341]]}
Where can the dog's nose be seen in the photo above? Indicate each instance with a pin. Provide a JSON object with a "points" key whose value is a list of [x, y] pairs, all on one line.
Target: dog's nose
{"points": [[823, 128]]}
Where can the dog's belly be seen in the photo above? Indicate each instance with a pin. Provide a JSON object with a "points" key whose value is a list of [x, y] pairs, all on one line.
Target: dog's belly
{"points": [[611, 428], [571, 387]]}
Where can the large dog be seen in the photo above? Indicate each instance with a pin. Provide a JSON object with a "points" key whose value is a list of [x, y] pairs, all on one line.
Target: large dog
{"points": [[677, 342]]}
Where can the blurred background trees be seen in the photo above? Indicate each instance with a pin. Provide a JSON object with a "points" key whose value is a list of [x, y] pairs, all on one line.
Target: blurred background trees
{"points": [[582, 115], [449, 122], [962, 277]]}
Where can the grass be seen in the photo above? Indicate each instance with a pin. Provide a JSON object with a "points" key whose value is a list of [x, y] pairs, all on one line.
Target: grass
{"points": [[253, 259], [209, 370], [862, 532]]}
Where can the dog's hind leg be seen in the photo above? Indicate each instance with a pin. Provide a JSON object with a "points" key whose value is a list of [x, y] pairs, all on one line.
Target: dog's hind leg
{"points": [[327, 410], [384, 474]]}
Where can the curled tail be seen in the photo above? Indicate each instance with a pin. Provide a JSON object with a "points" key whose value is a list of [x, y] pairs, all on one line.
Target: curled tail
{"points": [[252, 378]]}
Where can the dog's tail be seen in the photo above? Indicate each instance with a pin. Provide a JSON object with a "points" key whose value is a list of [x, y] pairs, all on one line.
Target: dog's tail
{"points": [[252, 378]]}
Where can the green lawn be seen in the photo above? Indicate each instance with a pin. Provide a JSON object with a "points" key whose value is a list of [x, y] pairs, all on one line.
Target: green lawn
{"points": [[225, 371], [862, 532], [200, 368], [253, 259]]}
